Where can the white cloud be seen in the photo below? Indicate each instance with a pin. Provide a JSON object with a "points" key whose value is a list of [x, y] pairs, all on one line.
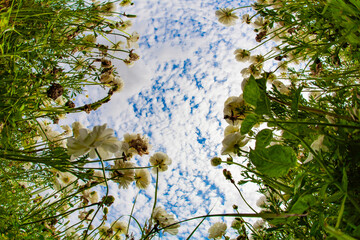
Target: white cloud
{"points": [[175, 93]]}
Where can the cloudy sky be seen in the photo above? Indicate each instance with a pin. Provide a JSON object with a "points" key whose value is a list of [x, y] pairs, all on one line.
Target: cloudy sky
{"points": [[175, 95]]}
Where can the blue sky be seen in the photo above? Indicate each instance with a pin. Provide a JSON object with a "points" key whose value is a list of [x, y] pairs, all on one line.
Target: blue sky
{"points": [[175, 95]]}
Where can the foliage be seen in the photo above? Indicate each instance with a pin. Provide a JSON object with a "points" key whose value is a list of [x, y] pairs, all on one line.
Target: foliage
{"points": [[305, 160]]}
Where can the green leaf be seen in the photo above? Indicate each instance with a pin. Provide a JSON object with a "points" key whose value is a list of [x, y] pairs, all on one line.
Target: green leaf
{"points": [[251, 92], [274, 161], [335, 197], [302, 204], [248, 123], [295, 102], [263, 138], [263, 104], [344, 182], [338, 233]]}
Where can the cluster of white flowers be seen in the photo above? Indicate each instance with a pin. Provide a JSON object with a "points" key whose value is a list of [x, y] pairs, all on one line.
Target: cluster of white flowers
{"points": [[101, 143], [235, 111]]}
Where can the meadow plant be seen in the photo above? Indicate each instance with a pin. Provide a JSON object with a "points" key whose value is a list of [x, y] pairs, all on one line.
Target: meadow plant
{"points": [[301, 117], [55, 185]]}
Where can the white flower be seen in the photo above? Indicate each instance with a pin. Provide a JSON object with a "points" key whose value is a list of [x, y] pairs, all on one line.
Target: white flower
{"points": [[259, 22], [259, 224], [217, 230], [76, 126], [231, 129], [133, 144], [233, 142], [90, 196], [142, 178], [226, 16], [124, 173], [63, 179], [131, 41], [101, 139], [242, 55], [281, 87], [235, 110], [262, 201], [161, 217], [160, 161], [246, 19], [119, 83], [119, 227]]}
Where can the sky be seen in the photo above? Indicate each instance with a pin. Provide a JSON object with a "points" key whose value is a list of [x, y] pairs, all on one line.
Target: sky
{"points": [[175, 95]]}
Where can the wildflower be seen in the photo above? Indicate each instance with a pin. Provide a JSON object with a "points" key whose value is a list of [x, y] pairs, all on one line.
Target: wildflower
{"points": [[133, 56], [242, 55], [257, 59], [262, 201], [259, 22], [123, 174], [60, 101], [160, 161], [123, 25], [163, 219], [107, 77], [282, 66], [76, 126], [63, 179], [236, 223], [119, 227], [226, 16], [134, 144], [246, 19], [215, 161], [217, 230], [235, 110], [83, 215], [281, 87], [105, 231], [131, 41], [231, 129], [101, 139], [67, 130], [117, 45], [118, 84], [259, 224], [233, 142], [142, 178], [90, 196], [253, 69], [108, 8]]}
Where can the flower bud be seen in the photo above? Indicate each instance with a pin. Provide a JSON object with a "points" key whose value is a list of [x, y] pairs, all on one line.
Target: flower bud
{"points": [[215, 161]]}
